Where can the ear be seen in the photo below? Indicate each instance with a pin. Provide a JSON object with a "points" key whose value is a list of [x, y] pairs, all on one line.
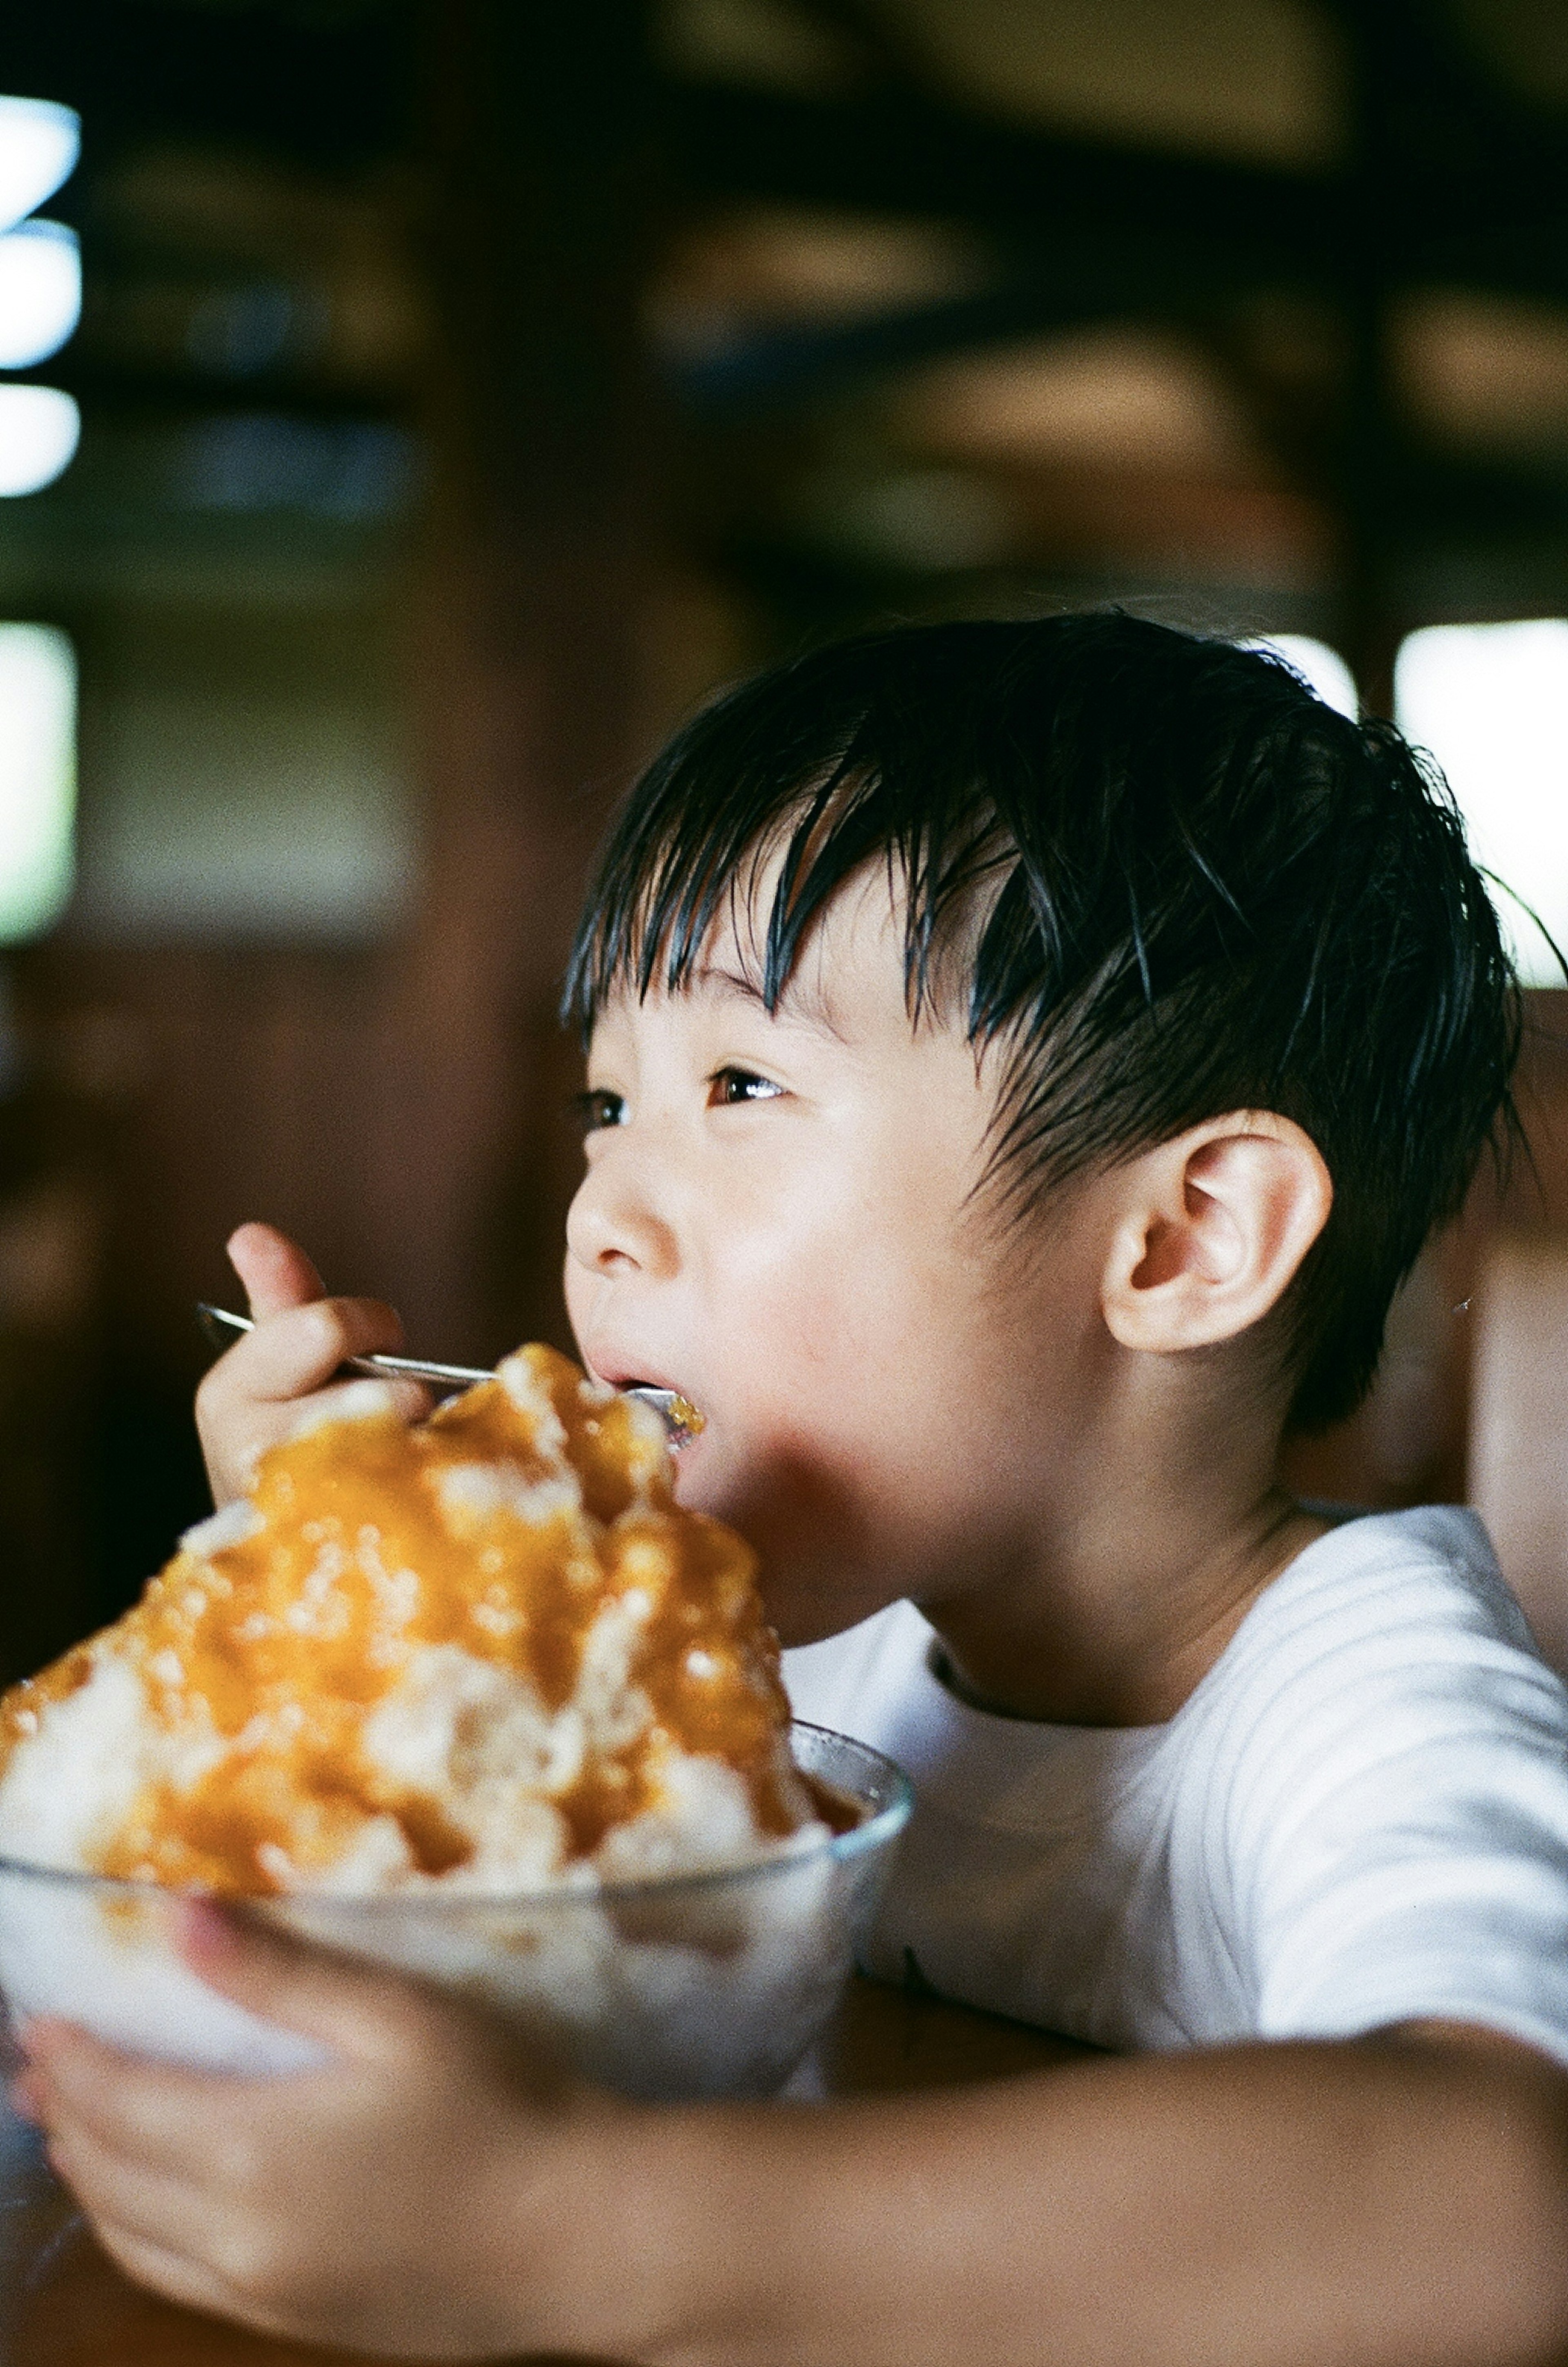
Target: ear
{"points": [[1211, 1229]]}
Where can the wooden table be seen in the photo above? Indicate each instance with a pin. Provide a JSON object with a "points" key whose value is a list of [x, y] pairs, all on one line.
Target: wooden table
{"points": [[66, 2306]]}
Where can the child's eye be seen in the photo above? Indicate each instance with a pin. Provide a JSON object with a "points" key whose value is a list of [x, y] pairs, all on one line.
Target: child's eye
{"points": [[727, 1086], [597, 1110]]}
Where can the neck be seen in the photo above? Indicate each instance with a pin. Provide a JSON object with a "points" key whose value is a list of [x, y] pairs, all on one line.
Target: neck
{"points": [[1121, 1596]]}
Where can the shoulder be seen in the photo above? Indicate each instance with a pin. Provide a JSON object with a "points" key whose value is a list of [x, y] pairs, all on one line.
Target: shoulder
{"points": [[1385, 1689], [1381, 1698], [1386, 1765], [1397, 1606]]}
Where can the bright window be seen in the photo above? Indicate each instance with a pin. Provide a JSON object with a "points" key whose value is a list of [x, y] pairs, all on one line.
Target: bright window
{"points": [[1491, 703], [40, 292], [40, 142], [1318, 664], [38, 778], [39, 429]]}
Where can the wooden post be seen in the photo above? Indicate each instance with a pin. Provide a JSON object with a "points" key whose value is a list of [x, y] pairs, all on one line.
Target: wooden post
{"points": [[522, 645]]}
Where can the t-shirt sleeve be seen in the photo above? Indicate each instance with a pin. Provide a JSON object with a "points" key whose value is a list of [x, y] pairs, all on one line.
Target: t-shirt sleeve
{"points": [[1395, 1826]]}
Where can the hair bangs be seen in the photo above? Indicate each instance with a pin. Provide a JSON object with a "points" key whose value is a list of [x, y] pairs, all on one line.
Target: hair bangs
{"points": [[745, 791]]}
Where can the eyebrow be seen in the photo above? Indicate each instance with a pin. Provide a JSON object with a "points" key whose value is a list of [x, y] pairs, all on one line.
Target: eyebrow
{"points": [[795, 1002]]}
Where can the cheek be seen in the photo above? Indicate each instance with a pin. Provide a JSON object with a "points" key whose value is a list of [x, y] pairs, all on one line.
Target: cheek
{"points": [[576, 1288], [837, 1304]]}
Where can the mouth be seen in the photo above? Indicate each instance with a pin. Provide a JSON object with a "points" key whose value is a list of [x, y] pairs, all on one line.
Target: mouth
{"points": [[682, 1419]]}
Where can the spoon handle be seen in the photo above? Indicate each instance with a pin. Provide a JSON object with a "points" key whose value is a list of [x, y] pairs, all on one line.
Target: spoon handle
{"points": [[223, 1328], [680, 1418]]}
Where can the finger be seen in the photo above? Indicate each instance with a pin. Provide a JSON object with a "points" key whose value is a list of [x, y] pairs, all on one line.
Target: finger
{"points": [[152, 2115], [268, 1420], [135, 2196], [275, 1270], [411, 1401], [364, 2015], [164, 2270], [292, 1353]]}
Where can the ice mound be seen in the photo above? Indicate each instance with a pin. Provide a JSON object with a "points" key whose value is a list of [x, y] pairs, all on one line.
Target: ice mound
{"points": [[489, 1653], [476, 1700]]}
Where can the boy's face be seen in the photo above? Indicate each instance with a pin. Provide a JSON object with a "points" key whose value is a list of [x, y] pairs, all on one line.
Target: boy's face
{"points": [[779, 1221]]}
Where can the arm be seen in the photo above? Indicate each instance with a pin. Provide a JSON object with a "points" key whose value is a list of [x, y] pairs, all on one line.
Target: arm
{"points": [[1400, 2201], [1378, 2201]]}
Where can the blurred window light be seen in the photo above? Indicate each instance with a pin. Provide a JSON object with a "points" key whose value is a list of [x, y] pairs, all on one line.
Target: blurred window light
{"points": [[273, 811], [1491, 704], [40, 142], [40, 292], [40, 428], [1321, 667], [38, 778]]}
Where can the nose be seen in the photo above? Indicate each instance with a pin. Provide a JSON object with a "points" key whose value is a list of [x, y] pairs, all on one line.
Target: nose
{"points": [[614, 1225]]}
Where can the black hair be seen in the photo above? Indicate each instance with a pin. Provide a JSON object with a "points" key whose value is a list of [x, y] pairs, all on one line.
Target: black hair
{"points": [[1177, 882]]}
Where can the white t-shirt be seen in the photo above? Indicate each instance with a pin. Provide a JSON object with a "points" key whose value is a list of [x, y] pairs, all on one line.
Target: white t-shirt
{"points": [[1359, 1817]]}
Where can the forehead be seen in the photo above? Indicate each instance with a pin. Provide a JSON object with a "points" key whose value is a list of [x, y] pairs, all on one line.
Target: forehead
{"points": [[847, 969]]}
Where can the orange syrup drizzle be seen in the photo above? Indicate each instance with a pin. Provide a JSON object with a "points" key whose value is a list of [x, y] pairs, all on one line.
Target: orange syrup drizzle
{"points": [[285, 1643]]}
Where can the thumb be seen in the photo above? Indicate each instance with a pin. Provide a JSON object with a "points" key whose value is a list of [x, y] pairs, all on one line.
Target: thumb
{"points": [[275, 1270], [357, 2010]]}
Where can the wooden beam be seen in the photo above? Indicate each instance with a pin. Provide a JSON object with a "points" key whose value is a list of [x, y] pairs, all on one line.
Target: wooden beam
{"points": [[1492, 220]]}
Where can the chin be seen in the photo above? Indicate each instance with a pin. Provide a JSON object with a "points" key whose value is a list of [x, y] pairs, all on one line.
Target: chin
{"points": [[824, 1604], [817, 1530], [817, 1586]]}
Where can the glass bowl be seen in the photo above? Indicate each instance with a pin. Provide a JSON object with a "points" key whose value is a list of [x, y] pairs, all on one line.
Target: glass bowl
{"points": [[687, 1986]]}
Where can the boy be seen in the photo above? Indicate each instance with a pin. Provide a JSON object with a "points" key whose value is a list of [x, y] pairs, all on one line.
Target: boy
{"points": [[1024, 1060]]}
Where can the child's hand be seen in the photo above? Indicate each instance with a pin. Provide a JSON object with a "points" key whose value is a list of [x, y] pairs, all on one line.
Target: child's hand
{"points": [[251, 1397], [421, 2197]]}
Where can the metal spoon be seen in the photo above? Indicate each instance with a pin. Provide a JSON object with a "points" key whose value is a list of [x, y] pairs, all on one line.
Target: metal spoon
{"points": [[680, 1416]]}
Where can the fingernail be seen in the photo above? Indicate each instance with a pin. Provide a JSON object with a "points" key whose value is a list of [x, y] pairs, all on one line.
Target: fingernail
{"points": [[205, 1932]]}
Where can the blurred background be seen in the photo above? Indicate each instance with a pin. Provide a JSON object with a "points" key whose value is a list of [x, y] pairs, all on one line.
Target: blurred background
{"points": [[409, 413]]}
